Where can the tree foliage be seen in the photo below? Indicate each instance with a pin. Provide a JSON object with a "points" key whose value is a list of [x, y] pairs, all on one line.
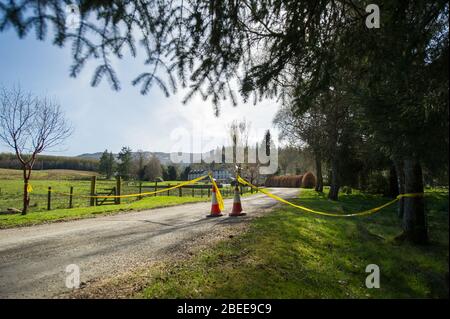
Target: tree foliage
{"points": [[124, 166], [107, 164]]}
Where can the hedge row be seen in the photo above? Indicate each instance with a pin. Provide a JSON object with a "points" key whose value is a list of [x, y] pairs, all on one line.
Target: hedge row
{"points": [[307, 180]]}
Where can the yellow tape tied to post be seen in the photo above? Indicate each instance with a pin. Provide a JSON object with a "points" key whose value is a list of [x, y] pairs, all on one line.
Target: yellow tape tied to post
{"points": [[218, 194], [363, 213], [193, 181]]}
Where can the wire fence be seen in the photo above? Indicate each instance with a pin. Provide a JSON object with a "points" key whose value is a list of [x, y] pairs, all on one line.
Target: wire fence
{"points": [[41, 199]]}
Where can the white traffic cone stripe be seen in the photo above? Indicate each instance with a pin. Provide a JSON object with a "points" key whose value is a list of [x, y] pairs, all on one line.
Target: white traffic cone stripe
{"points": [[237, 197], [214, 197]]}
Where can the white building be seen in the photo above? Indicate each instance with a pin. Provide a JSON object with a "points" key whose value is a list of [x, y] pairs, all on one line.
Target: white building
{"points": [[220, 175]]}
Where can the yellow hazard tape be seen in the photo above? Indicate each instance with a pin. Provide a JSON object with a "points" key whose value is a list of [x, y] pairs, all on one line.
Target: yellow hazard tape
{"points": [[363, 213], [193, 181], [218, 194]]}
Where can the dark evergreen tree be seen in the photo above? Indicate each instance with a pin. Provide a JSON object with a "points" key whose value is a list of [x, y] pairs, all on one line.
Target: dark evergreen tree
{"points": [[172, 173], [105, 165], [164, 173], [124, 165], [184, 175], [267, 141]]}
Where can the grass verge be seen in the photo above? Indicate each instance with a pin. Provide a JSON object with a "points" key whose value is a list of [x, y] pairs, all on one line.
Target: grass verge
{"points": [[292, 254]]}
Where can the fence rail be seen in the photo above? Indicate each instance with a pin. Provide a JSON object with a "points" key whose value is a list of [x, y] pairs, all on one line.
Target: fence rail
{"points": [[49, 197]]}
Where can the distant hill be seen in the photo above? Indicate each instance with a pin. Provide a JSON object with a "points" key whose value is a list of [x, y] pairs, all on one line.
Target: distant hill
{"points": [[85, 161], [91, 155], [163, 157]]}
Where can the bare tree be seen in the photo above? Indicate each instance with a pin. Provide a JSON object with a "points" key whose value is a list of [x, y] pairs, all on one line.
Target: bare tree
{"points": [[30, 125], [153, 169], [138, 164], [303, 131], [239, 132]]}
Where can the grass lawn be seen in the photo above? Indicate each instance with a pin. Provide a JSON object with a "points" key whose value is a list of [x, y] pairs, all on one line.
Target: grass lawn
{"points": [[48, 174], [33, 218], [292, 254]]}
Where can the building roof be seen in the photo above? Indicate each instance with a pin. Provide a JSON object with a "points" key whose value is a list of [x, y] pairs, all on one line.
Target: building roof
{"points": [[199, 171]]}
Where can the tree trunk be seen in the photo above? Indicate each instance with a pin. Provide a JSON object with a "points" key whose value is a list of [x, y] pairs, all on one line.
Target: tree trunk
{"points": [[362, 180], [393, 183], [26, 199], [401, 186], [334, 186], [319, 177], [414, 217]]}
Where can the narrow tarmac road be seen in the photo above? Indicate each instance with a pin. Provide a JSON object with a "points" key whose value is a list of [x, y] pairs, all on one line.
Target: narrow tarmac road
{"points": [[33, 260]]}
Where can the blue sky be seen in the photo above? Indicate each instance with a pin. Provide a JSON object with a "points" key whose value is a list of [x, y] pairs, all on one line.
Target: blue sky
{"points": [[105, 119]]}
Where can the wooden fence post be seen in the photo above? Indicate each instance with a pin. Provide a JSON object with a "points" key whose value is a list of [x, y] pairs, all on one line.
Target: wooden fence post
{"points": [[93, 182], [201, 191], [140, 190], [114, 191], [168, 191], [193, 192], [209, 192], [180, 192], [156, 187], [118, 189], [49, 198], [71, 197]]}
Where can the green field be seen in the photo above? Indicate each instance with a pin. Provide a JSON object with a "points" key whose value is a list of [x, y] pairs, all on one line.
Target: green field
{"points": [[292, 254], [11, 189], [49, 174]]}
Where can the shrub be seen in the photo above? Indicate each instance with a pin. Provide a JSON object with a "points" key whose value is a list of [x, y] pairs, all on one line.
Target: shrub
{"points": [[284, 181], [309, 180]]}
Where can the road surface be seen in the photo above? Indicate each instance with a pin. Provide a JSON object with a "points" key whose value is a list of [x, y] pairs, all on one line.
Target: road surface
{"points": [[33, 260]]}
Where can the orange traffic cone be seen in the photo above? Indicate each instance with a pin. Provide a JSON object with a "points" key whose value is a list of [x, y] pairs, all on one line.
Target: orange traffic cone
{"points": [[215, 209], [237, 207]]}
